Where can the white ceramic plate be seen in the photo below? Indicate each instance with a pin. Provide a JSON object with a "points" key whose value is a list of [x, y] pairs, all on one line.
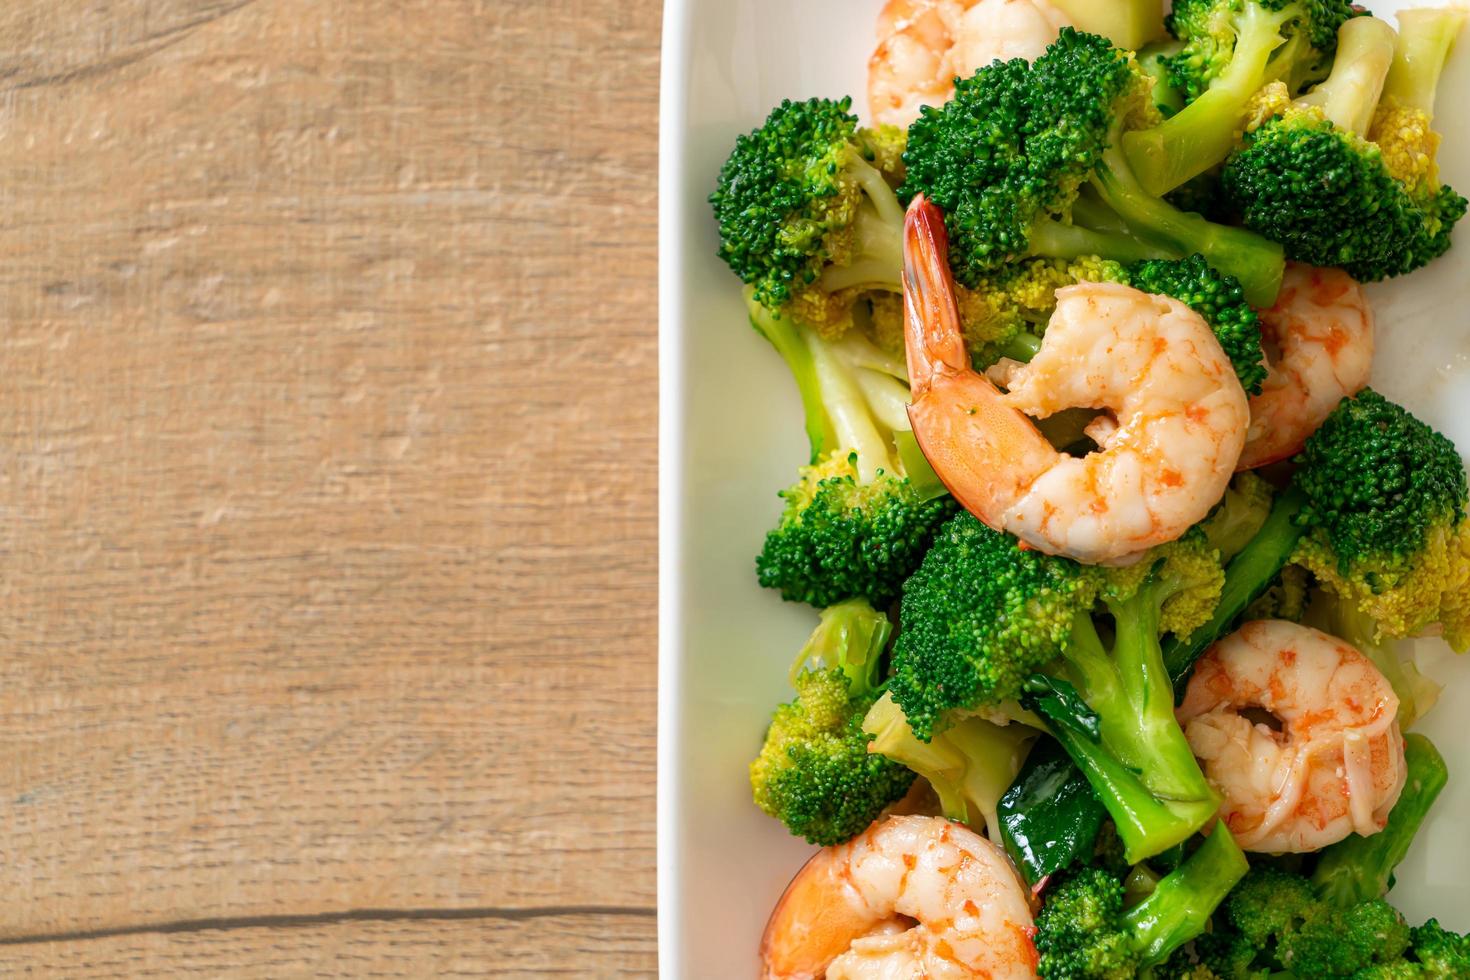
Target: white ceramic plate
{"points": [[731, 437]]}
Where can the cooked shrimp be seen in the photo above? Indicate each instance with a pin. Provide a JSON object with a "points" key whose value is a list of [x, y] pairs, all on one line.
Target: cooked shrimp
{"points": [[1165, 455], [1336, 765], [924, 44], [910, 897], [1321, 333]]}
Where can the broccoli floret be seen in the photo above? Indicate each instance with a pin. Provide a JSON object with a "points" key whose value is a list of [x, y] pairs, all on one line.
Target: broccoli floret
{"points": [[806, 216], [1228, 50], [984, 621], [815, 773], [1220, 301], [1084, 932], [1285, 598], [859, 517], [1311, 179], [1009, 156], [1385, 501], [1375, 512], [1357, 869], [970, 764], [1275, 924], [1240, 514]]}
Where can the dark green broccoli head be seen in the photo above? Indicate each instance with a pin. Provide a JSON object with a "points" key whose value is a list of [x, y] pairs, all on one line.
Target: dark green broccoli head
{"points": [[1014, 145], [1385, 506], [839, 538], [979, 616], [1275, 921], [1440, 954], [1217, 298], [1081, 933], [815, 773], [1327, 196], [804, 213], [1211, 30]]}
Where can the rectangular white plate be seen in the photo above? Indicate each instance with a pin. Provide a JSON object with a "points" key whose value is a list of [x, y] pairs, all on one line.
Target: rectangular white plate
{"points": [[731, 437]]}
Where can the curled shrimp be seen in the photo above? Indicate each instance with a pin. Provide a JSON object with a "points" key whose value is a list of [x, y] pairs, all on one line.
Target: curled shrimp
{"points": [[924, 44], [1321, 335], [910, 897], [1335, 767], [1166, 452]]}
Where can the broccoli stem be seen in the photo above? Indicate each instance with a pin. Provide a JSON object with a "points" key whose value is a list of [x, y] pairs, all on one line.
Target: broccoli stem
{"points": [[1056, 239], [1180, 905], [970, 764], [1140, 765], [877, 236], [1250, 258], [790, 342], [1357, 869], [1246, 577], [851, 635], [1365, 50], [1204, 132], [1129, 24], [1425, 37]]}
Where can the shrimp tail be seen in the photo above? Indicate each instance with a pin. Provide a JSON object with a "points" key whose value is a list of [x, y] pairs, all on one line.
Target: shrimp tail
{"points": [[932, 318]]}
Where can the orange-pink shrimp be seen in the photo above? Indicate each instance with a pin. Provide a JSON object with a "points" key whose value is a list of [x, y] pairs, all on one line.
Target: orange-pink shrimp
{"points": [[924, 44], [1166, 452], [910, 897], [1319, 341], [1336, 764]]}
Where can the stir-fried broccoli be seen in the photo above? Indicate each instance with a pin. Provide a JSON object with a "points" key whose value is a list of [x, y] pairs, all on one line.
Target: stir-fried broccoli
{"points": [[1375, 511], [970, 764], [1084, 932], [807, 217], [1025, 160], [1127, 23], [1227, 50], [855, 523], [986, 622], [1311, 179], [815, 773], [1274, 924]]}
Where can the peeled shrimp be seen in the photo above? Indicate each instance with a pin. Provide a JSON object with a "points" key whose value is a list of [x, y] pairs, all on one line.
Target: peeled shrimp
{"points": [[1335, 767], [924, 44], [1321, 330], [910, 897], [1165, 453]]}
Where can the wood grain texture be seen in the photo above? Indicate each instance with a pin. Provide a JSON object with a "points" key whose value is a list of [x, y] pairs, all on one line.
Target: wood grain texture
{"points": [[569, 945], [327, 460]]}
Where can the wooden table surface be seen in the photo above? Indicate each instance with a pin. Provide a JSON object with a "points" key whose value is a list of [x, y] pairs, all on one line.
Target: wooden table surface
{"points": [[327, 467]]}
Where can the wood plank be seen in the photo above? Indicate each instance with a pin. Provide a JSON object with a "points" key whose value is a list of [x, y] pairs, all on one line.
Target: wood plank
{"points": [[327, 452], [570, 945]]}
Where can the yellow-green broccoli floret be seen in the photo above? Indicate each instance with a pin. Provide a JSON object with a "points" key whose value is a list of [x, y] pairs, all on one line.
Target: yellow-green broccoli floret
{"points": [[814, 772]]}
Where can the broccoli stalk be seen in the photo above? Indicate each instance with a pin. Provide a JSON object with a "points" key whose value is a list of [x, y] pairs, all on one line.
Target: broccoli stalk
{"points": [[1017, 157], [1084, 932], [1357, 869], [1229, 50], [1134, 752], [1130, 24], [970, 764], [814, 772]]}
